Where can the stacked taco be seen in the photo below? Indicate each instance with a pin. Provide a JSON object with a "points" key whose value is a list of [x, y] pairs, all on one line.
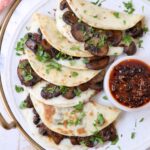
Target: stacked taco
{"points": [[66, 59]]}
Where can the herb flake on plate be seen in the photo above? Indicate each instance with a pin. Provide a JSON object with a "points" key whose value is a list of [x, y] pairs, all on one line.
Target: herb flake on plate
{"points": [[141, 120], [133, 134], [129, 8], [19, 89], [23, 105], [116, 14]]}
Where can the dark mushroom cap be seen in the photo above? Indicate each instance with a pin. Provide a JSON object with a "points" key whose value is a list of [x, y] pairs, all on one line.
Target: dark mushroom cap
{"points": [[131, 49]]}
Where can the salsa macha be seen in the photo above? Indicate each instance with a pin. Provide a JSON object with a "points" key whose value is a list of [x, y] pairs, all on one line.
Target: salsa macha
{"points": [[130, 83]]}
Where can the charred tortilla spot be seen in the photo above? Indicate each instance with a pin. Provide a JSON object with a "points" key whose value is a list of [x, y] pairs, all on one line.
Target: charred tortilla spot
{"points": [[49, 112]]}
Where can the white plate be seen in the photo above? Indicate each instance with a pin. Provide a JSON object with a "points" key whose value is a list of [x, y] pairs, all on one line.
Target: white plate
{"points": [[17, 28]]}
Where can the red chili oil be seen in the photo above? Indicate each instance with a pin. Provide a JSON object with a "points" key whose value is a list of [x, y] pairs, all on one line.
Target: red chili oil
{"points": [[130, 83]]}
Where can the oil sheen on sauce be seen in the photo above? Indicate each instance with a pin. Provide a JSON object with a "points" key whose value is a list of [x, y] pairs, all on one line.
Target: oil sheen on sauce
{"points": [[130, 83]]}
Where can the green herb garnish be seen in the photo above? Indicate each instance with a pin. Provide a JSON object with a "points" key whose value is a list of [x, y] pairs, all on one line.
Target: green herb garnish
{"points": [[133, 135], [85, 61], [129, 8], [28, 77], [145, 29], [116, 14], [141, 120], [79, 107], [53, 65], [63, 89], [105, 97], [114, 142], [101, 41], [75, 48], [20, 45], [95, 16], [98, 2], [41, 55], [127, 39], [23, 105], [140, 42], [19, 89], [77, 92], [74, 74]]}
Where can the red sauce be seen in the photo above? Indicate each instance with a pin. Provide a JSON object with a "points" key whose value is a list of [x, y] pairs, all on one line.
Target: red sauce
{"points": [[130, 83]]}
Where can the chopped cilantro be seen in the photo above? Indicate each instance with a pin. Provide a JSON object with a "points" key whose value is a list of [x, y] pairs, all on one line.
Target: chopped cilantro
{"points": [[124, 21], [97, 139], [116, 14], [95, 16], [53, 65], [23, 105], [98, 2], [140, 42], [20, 45], [129, 8], [63, 56], [105, 97], [19, 89], [41, 55], [114, 142], [75, 48], [79, 107], [28, 77], [77, 121], [127, 39], [133, 135], [85, 60], [99, 121], [141, 120], [74, 74], [77, 92], [145, 29], [101, 41], [63, 89]]}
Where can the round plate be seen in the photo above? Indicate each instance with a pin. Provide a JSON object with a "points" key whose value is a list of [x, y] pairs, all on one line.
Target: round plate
{"points": [[127, 124]]}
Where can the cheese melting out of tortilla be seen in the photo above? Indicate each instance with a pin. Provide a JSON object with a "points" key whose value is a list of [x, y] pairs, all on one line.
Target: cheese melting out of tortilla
{"points": [[63, 120], [103, 18], [60, 101]]}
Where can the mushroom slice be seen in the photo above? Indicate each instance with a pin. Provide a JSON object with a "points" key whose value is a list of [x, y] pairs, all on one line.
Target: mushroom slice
{"points": [[131, 49], [69, 18], [98, 64]]}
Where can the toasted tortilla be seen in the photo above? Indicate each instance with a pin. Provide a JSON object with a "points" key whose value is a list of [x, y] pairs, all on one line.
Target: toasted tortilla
{"points": [[60, 101], [63, 77], [103, 18], [57, 40], [46, 141], [56, 118]]}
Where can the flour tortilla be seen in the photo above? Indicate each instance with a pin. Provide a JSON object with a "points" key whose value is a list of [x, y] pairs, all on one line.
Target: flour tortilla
{"points": [[61, 78], [57, 40], [103, 18], [60, 101], [65, 30], [52, 117], [45, 141]]}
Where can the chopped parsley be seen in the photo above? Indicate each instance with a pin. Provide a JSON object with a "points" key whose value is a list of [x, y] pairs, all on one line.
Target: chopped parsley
{"points": [[79, 107], [77, 121], [127, 39], [41, 55], [63, 56], [74, 74], [19, 89], [145, 29], [77, 92], [98, 2], [20, 45], [51, 89], [133, 134], [129, 8], [53, 65], [75, 48], [101, 41], [141, 120], [85, 61], [96, 16], [23, 105], [140, 42], [63, 89], [105, 97], [114, 142], [116, 14], [28, 77]]}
